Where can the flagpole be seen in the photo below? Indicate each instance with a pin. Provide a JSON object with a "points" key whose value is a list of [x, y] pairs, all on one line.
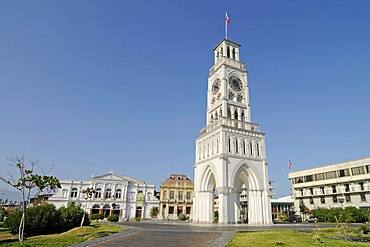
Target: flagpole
{"points": [[226, 25]]}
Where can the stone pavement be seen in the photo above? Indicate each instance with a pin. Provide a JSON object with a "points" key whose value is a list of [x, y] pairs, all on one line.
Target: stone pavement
{"points": [[168, 234]]}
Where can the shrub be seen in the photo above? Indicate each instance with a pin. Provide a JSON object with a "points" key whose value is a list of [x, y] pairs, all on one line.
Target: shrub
{"points": [[71, 217], [348, 214], [363, 229], [41, 219], [137, 219], [182, 217], [97, 217], [113, 218]]}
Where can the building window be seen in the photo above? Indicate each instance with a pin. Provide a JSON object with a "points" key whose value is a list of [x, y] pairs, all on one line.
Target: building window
{"points": [[319, 176], [74, 192], [311, 200], [363, 197], [188, 210], [172, 194], [98, 193], [298, 180], [308, 178], [334, 188], [251, 148], [149, 196], [188, 195], [368, 169], [237, 146], [108, 193], [311, 191], [322, 190], [180, 195], [343, 173], [301, 192], [346, 188], [335, 199], [322, 200], [164, 194], [118, 193], [171, 210], [348, 198], [229, 145], [358, 170], [361, 185], [330, 175]]}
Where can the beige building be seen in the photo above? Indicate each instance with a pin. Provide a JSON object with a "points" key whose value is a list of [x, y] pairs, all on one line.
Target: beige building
{"points": [[176, 197], [337, 185]]}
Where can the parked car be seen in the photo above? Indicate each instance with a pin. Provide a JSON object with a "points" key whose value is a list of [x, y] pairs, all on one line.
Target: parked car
{"points": [[312, 220], [295, 219]]}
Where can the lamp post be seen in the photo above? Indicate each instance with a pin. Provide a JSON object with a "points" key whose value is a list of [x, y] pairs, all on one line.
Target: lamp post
{"points": [[88, 194]]}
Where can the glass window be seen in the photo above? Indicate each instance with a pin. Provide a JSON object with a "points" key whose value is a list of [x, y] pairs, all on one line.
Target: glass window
{"points": [[343, 173], [358, 170], [98, 193], [322, 199], [319, 176], [335, 199], [346, 188], [74, 192], [188, 195], [188, 210], [363, 197], [311, 191], [361, 185], [311, 200], [172, 194], [164, 194], [108, 193], [322, 190], [118, 193], [180, 195], [308, 178], [332, 174], [171, 210], [334, 188], [348, 198]]}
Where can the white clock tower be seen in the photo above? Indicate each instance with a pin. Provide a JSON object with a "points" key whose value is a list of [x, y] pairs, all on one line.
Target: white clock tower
{"points": [[230, 151]]}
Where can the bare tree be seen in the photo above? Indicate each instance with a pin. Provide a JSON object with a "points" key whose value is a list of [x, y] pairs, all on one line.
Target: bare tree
{"points": [[27, 181]]}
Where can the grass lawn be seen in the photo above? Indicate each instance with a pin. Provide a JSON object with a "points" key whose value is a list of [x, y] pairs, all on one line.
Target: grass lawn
{"points": [[290, 238], [74, 236]]}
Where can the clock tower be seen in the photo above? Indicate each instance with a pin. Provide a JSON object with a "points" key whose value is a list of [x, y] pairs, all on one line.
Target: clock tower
{"points": [[230, 164]]}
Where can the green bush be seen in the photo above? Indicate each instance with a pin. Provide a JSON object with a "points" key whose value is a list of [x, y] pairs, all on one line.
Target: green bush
{"points": [[137, 219], [46, 219], [348, 215], [97, 217], [71, 217], [182, 217], [41, 219], [363, 229], [113, 218]]}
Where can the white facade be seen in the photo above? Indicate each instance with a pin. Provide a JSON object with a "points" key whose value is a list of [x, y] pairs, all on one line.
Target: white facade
{"points": [[230, 151], [337, 185], [122, 195]]}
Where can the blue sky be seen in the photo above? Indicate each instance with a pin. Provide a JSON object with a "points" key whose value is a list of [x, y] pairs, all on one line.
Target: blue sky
{"points": [[96, 86]]}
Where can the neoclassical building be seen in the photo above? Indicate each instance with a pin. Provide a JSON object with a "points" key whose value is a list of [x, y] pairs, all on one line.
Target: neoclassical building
{"points": [[337, 185], [176, 197], [113, 194], [230, 151]]}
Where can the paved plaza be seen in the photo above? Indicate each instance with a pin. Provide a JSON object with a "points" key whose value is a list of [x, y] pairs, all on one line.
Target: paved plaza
{"points": [[163, 234]]}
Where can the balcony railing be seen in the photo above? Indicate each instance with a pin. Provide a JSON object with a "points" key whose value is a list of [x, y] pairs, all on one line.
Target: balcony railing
{"points": [[229, 123]]}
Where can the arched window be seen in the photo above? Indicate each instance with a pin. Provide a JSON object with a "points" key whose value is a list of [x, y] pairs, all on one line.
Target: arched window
{"points": [[149, 196], [217, 146], [98, 193], [233, 53], [118, 193], [207, 149], [229, 145], [258, 150], [244, 147], [74, 192], [212, 146], [108, 193], [236, 146], [251, 148], [228, 52]]}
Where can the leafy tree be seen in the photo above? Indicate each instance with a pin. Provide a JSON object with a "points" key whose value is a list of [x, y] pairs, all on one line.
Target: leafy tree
{"points": [[71, 216], [154, 211], [113, 218], [27, 181]]}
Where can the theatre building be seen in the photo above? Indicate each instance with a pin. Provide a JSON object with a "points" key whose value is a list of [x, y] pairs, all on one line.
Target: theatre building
{"points": [[337, 185], [112, 194]]}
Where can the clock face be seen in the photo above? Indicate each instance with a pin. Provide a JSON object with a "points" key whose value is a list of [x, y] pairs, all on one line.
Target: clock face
{"points": [[235, 83], [216, 86]]}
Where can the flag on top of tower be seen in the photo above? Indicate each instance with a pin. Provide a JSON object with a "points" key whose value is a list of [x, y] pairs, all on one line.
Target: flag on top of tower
{"points": [[290, 164], [227, 19]]}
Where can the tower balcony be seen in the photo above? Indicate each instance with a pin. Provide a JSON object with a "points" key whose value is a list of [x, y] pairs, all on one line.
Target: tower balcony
{"points": [[227, 122]]}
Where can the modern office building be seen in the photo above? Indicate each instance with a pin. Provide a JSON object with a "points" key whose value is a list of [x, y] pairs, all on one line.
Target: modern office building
{"points": [[112, 194], [176, 197], [336, 185]]}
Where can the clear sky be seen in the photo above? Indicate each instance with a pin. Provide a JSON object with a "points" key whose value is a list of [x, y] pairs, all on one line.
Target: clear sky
{"points": [[96, 86]]}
